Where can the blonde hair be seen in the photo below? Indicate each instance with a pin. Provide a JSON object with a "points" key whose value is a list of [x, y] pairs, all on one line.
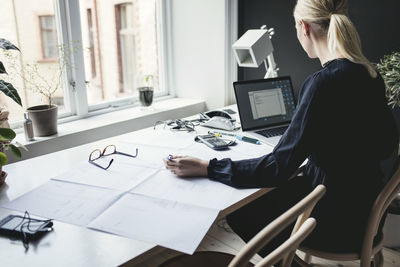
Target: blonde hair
{"points": [[331, 18]]}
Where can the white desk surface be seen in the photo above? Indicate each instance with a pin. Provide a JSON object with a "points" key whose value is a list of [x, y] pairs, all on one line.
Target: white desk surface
{"points": [[70, 245]]}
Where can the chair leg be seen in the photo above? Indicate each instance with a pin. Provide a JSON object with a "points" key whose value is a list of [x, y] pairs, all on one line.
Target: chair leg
{"points": [[378, 259], [300, 262]]}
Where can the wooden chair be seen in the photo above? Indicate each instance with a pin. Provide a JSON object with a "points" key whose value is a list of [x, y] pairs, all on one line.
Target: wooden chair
{"points": [[370, 252], [285, 251]]}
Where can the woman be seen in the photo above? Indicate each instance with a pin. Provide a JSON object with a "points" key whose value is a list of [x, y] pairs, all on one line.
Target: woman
{"points": [[342, 125]]}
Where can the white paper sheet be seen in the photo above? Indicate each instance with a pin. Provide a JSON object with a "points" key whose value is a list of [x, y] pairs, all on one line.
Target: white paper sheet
{"points": [[170, 224], [195, 191], [66, 202], [148, 155], [123, 174], [164, 138]]}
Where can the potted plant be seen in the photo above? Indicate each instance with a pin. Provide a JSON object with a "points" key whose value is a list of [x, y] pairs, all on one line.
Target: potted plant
{"points": [[6, 134], [44, 117], [389, 68], [146, 91]]}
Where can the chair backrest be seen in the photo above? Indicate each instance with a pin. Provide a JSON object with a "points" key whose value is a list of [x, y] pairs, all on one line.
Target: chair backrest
{"points": [[382, 202], [301, 211]]}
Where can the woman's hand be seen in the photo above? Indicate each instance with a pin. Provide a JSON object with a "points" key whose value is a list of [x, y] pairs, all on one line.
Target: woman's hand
{"points": [[185, 166]]}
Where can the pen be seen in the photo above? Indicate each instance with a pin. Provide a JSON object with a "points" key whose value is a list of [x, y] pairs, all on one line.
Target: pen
{"points": [[248, 139], [239, 137]]}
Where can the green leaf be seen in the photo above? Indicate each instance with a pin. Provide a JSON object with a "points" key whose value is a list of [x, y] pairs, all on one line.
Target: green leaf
{"points": [[2, 68], [7, 133], [389, 68], [3, 159], [15, 151], [9, 90], [21, 145], [7, 45]]}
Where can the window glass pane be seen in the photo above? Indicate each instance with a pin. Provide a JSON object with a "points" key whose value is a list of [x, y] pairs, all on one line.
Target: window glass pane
{"points": [[121, 40], [49, 37], [47, 22], [30, 25]]}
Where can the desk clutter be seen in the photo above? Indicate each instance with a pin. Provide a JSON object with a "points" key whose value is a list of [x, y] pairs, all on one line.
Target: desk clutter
{"points": [[216, 119], [135, 196]]}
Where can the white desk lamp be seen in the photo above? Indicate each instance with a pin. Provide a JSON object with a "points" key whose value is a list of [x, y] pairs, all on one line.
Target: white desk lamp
{"points": [[254, 47]]}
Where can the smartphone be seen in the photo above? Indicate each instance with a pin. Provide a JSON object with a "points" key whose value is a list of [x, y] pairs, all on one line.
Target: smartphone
{"points": [[13, 225]]}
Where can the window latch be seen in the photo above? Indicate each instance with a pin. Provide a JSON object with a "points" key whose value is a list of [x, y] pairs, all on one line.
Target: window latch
{"points": [[73, 84]]}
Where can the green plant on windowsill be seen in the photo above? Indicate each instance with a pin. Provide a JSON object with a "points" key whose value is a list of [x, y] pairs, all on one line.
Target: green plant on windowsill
{"points": [[45, 80], [389, 68], [7, 135]]}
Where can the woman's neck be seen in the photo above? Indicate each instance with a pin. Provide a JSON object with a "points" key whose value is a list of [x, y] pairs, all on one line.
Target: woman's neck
{"points": [[323, 53]]}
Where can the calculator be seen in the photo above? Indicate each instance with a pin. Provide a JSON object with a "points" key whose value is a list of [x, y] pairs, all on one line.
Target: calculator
{"points": [[213, 142]]}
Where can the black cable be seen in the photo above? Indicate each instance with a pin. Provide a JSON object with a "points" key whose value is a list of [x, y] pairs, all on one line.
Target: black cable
{"points": [[27, 225]]}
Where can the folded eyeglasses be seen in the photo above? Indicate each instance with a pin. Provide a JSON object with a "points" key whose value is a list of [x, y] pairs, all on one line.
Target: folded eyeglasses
{"points": [[107, 151]]}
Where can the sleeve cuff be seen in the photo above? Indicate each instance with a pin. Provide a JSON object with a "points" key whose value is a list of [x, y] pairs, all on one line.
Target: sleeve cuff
{"points": [[211, 169]]}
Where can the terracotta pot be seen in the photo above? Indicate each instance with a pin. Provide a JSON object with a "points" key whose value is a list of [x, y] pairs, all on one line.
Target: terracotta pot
{"points": [[3, 176], [44, 119]]}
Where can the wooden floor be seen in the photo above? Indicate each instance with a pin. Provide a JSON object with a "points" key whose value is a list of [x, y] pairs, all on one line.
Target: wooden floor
{"points": [[221, 238]]}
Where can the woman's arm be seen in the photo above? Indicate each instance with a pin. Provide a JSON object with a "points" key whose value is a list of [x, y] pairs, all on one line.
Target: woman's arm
{"points": [[269, 170]]}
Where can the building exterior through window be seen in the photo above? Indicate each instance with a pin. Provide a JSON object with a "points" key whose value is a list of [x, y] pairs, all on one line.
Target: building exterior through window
{"points": [[48, 37]]}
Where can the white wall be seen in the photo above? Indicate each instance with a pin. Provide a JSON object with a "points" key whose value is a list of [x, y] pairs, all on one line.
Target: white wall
{"points": [[198, 50]]}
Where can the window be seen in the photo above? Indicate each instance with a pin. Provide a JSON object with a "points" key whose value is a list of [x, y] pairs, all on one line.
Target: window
{"points": [[128, 48], [48, 36], [91, 42], [36, 66], [114, 45]]}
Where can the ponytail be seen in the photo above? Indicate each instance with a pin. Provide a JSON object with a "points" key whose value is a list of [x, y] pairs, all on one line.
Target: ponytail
{"points": [[342, 36]]}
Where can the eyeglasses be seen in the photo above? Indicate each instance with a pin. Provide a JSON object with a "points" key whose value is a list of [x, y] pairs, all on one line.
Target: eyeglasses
{"points": [[107, 151]]}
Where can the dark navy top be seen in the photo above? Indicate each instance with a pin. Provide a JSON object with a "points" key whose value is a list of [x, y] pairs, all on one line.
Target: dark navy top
{"points": [[345, 129]]}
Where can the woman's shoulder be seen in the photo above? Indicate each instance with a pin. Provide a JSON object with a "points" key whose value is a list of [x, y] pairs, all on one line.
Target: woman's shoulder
{"points": [[339, 73], [315, 82], [325, 80]]}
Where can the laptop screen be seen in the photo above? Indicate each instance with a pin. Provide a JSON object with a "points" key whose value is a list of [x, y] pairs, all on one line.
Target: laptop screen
{"points": [[264, 103]]}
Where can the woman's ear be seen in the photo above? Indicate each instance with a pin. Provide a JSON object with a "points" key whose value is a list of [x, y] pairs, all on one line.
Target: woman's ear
{"points": [[305, 27]]}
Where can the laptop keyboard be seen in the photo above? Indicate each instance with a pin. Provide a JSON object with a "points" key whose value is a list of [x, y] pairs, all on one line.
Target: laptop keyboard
{"points": [[273, 132]]}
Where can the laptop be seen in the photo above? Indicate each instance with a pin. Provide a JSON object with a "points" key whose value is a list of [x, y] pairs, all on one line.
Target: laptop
{"points": [[265, 107]]}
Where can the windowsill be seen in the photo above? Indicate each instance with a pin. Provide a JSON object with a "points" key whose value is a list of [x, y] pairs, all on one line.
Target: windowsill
{"points": [[106, 125]]}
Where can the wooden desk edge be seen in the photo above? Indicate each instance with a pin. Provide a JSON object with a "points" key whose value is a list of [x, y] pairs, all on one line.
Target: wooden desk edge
{"points": [[243, 202]]}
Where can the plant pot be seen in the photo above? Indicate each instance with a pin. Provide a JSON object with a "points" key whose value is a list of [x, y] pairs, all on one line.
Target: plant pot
{"points": [[146, 95], [3, 176], [44, 119]]}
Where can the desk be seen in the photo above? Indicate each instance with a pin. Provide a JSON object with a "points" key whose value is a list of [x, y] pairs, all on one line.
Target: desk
{"points": [[70, 245]]}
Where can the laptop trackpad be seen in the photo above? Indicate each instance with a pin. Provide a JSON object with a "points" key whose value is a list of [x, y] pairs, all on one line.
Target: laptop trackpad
{"points": [[273, 141]]}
